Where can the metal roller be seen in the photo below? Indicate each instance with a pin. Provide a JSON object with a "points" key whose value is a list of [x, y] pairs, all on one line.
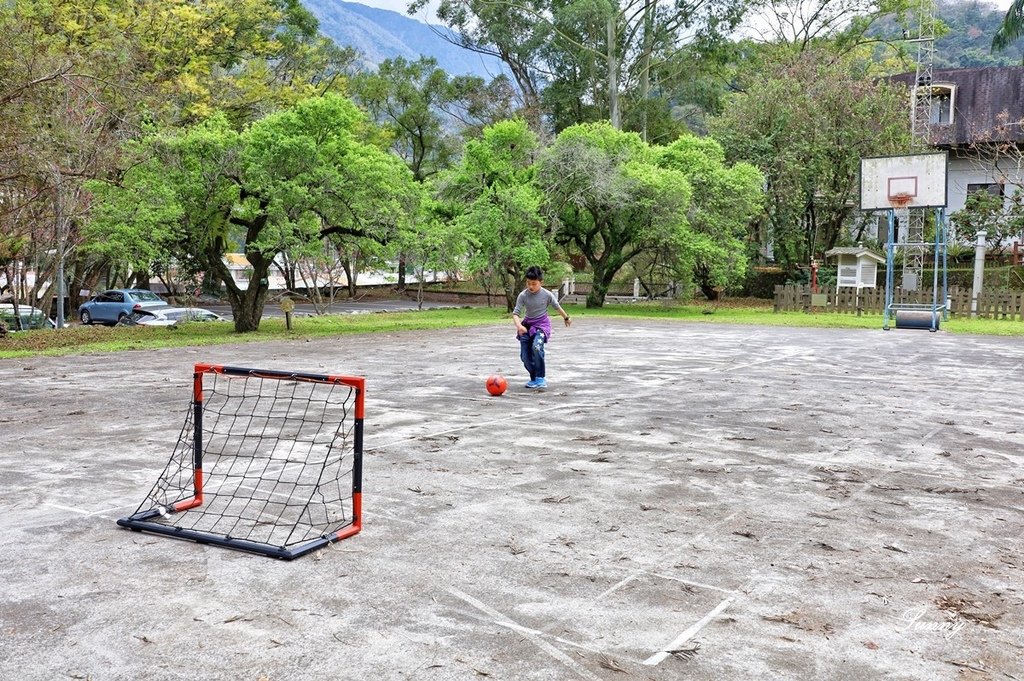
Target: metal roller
{"points": [[916, 319]]}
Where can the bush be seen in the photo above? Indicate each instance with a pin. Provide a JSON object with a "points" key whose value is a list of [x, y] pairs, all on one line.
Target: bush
{"points": [[761, 282]]}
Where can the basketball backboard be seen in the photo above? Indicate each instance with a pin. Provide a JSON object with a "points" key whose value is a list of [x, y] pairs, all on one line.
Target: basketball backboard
{"points": [[911, 181]]}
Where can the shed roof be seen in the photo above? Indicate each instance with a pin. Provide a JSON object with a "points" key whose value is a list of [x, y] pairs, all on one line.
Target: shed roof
{"points": [[858, 251]]}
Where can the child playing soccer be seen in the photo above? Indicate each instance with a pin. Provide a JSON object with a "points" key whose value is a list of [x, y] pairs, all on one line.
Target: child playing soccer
{"points": [[533, 326]]}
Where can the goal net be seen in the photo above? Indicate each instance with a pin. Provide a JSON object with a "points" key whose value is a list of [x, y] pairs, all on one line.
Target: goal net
{"points": [[268, 462]]}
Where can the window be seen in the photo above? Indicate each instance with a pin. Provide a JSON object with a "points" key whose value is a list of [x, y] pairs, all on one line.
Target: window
{"points": [[145, 296], [941, 111], [993, 188], [114, 297]]}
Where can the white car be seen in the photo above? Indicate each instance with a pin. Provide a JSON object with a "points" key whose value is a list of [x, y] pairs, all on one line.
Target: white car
{"points": [[31, 317], [170, 316]]}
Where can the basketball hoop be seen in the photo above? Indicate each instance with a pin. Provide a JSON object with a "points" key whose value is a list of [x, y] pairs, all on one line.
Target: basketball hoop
{"points": [[900, 200]]}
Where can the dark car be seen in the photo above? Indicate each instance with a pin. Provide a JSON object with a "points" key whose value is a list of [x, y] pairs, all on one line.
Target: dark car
{"points": [[112, 306]]}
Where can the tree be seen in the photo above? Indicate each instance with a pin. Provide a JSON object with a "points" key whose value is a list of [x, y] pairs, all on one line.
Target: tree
{"points": [[423, 110], [492, 198], [609, 201], [725, 201], [1012, 27], [433, 244], [1001, 218], [508, 31], [284, 183], [805, 123], [77, 79], [591, 52], [843, 24]]}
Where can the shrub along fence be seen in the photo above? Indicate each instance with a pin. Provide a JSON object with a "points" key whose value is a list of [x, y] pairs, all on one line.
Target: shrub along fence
{"points": [[999, 304]]}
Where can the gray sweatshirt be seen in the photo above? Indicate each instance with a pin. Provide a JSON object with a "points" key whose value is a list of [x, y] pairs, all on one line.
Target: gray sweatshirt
{"points": [[535, 304]]}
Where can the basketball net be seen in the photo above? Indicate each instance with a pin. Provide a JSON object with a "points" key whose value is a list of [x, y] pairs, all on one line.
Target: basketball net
{"points": [[900, 203], [900, 200]]}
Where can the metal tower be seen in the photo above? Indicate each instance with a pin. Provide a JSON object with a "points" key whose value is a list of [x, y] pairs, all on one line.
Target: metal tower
{"points": [[912, 222]]}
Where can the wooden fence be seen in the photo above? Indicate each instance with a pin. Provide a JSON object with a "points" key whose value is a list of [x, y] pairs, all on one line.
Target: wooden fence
{"points": [[1001, 304]]}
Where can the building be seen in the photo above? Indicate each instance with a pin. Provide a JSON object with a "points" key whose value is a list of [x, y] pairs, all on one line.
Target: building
{"points": [[977, 115]]}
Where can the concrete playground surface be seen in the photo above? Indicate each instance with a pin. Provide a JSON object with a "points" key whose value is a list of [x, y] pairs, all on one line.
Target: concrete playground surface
{"points": [[686, 501]]}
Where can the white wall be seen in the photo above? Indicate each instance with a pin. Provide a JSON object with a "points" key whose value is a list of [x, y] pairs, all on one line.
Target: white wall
{"points": [[963, 172]]}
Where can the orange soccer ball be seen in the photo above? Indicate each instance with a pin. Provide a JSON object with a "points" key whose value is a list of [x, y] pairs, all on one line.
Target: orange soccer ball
{"points": [[496, 385]]}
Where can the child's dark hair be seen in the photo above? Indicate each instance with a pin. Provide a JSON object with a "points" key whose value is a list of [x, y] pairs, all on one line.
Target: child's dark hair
{"points": [[534, 273]]}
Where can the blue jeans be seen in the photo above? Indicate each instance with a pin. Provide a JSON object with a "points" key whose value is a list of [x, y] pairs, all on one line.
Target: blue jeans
{"points": [[531, 351]]}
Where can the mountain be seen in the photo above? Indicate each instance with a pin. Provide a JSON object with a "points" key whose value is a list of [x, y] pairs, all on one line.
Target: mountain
{"points": [[380, 34], [968, 42]]}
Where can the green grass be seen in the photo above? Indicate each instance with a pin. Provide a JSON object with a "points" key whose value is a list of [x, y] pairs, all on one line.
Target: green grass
{"points": [[97, 339], [94, 339], [760, 313]]}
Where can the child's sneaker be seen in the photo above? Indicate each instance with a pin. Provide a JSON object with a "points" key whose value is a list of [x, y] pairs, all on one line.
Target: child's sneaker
{"points": [[540, 384], [532, 384]]}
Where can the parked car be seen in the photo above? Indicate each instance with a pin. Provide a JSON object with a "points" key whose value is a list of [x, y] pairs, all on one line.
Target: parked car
{"points": [[170, 316], [112, 306], [31, 318]]}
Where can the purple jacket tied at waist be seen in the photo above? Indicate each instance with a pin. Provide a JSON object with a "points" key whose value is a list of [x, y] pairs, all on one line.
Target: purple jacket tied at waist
{"points": [[535, 324]]}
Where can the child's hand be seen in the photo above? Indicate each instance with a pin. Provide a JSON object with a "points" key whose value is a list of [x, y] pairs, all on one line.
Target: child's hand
{"points": [[521, 330], [568, 322]]}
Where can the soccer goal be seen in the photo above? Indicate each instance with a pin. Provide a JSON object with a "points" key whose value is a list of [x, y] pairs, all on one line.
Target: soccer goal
{"points": [[268, 462]]}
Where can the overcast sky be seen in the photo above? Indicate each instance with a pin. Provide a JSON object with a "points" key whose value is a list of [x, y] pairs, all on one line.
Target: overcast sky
{"points": [[396, 6]]}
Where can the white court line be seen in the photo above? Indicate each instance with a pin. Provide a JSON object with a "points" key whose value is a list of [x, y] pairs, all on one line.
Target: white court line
{"points": [[483, 617], [758, 574], [534, 636], [688, 634], [79, 510], [692, 583], [615, 587]]}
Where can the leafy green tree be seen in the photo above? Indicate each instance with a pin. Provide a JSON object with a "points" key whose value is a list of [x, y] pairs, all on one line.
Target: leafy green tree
{"points": [[726, 199], [811, 24], [805, 122], [432, 244], [1012, 27], [408, 99], [508, 31], [610, 202], [79, 78], [424, 110], [1001, 218], [492, 198], [282, 184], [591, 53]]}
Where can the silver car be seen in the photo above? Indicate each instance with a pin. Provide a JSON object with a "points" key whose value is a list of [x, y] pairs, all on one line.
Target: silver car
{"points": [[170, 316], [110, 307]]}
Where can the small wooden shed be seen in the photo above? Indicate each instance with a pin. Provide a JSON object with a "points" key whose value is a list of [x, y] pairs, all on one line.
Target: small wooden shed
{"points": [[858, 267]]}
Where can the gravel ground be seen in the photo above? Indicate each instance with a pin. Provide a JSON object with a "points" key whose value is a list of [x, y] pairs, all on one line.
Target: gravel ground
{"points": [[686, 501]]}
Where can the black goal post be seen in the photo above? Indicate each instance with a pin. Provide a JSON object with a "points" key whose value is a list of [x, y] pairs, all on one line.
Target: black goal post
{"points": [[268, 462]]}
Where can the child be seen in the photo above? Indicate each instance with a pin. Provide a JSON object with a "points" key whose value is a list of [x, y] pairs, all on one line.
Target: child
{"points": [[534, 329]]}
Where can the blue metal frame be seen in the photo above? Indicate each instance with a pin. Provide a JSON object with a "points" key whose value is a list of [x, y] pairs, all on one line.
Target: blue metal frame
{"points": [[940, 252]]}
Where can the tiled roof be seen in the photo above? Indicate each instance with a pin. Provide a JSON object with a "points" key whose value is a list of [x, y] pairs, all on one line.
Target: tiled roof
{"points": [[988, 104]]}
